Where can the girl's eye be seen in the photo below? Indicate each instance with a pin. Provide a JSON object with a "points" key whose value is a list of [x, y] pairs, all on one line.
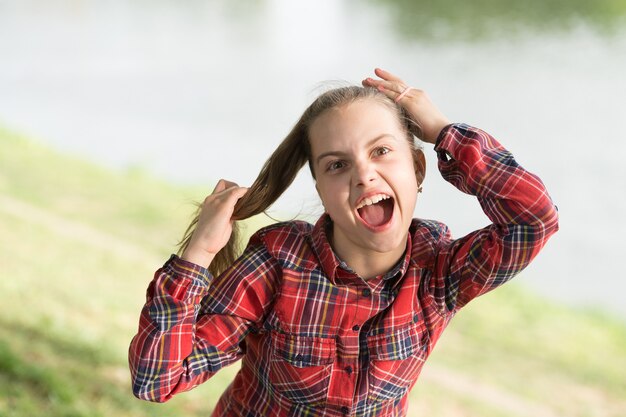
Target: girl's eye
{"points": [[381, 151], [335, 165]]}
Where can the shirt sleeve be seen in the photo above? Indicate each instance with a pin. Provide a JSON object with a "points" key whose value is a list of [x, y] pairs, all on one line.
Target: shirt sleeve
{"points": [[522, 213], [192, 325]]}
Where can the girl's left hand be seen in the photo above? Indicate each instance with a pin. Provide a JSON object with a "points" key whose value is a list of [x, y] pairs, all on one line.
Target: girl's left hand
{"points": [[416, 102]]}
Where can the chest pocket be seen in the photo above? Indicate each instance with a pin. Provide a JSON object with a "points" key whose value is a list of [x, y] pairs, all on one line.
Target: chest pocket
{"points": [[300, 367], [396, 359]]}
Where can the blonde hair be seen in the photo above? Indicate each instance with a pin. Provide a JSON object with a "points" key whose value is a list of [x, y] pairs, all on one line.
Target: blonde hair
{"points": [[283, 165]]}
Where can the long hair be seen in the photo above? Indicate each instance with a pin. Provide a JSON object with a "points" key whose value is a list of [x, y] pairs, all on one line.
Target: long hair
{"points": [[283, 165]]}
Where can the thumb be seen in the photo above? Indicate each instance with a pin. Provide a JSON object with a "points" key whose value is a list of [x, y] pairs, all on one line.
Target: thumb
{"points": [[220, 186]]}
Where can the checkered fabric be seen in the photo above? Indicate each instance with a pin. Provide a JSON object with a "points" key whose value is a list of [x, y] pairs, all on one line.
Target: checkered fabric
{"points": [[314, 338]]}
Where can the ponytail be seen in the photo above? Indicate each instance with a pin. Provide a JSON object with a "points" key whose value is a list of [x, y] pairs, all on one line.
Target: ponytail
{"points": [[275, 177]]}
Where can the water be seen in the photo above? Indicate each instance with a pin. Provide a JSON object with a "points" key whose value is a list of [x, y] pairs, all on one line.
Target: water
{"points": [[197, 91]]}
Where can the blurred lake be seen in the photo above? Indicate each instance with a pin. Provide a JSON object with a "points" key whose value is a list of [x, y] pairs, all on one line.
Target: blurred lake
{"points": [[193, 91]]}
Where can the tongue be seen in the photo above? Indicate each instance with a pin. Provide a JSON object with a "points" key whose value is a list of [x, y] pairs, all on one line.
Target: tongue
{"points": [[377, 214]]}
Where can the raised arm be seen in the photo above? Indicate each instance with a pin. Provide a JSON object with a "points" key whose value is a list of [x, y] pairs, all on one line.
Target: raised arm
{"points": [[522, 213], [178, 345]]}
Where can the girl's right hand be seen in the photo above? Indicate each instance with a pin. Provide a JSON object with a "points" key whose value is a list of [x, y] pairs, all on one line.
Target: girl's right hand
{"points": [[424, 113], [215, 223]]}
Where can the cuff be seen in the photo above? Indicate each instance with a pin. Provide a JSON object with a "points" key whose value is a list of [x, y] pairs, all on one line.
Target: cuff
{"points": [[443, 143], [199, 275]]}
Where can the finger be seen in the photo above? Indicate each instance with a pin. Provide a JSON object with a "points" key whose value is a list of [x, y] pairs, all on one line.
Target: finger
{"points": [[222, 185], [371, 82], [389, 84], [386, 75], [233, 198], [224, 200], [230, 184], [395, 87], [235, 193], [395, 91], [230, 196]]}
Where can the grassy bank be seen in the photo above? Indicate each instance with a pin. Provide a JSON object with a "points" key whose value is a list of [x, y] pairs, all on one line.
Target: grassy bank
{"points": [[78, 245]]}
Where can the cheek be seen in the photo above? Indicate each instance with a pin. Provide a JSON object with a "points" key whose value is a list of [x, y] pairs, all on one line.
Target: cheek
{"points": [[333, 194], [403, 169], [406, 182]]}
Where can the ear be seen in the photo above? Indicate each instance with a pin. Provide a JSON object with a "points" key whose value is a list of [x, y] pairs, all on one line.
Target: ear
{"points": [[419, 163]]}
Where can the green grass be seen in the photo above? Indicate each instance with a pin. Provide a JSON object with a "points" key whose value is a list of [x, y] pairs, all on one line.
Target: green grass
{"points": [[78, 252], [573, 362]]}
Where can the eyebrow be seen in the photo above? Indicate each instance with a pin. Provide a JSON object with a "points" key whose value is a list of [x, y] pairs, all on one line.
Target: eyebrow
{"points": [[367, 145]]}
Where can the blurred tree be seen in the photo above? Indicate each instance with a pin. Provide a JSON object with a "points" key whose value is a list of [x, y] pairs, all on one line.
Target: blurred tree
{"points": [[480, 19]]}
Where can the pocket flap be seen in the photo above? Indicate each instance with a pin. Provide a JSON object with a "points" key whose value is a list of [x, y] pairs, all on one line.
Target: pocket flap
{"points": [[395, 345], [302, 351]]}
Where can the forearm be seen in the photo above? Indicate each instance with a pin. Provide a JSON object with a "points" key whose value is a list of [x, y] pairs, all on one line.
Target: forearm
{"points": [[157, 354], [477, 164], [516, 201], [193, 325]]}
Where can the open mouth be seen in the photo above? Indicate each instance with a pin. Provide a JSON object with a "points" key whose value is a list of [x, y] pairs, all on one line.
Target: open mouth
{"points": [[376, 211]]}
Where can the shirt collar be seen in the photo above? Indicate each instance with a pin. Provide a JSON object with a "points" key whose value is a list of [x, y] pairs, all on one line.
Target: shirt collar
{"points": [[333, 266]]}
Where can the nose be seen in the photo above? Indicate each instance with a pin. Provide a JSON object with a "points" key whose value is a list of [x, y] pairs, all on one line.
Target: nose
{"points": [[364, 173]]}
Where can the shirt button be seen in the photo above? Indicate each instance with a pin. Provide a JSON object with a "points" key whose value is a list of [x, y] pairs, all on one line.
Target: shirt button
{"points": [[356, 327], [348, 370], [366, 292], [345, 410]]}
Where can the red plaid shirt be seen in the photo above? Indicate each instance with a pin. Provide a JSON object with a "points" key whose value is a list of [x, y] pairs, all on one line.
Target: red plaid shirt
{"points": [[314, 338]]}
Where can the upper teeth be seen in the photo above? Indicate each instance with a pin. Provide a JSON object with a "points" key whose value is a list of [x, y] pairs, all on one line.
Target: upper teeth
{"points": [[367, 201]]}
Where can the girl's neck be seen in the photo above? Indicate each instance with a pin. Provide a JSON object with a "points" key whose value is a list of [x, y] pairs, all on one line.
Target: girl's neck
{"points": [[367, 264]]}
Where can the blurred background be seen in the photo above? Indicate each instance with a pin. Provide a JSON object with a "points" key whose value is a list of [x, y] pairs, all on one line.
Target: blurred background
{"points": [[115, 116]]}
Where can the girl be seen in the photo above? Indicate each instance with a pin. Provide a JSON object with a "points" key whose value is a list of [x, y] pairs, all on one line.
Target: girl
{"points": [[337, 318]]}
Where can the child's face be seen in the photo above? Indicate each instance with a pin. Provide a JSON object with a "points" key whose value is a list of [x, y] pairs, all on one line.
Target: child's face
{"points": [[360, 154]]}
